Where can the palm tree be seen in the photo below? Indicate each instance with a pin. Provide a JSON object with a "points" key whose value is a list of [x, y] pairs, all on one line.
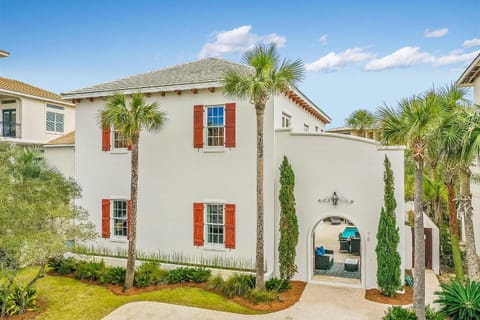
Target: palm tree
{"points": [[414, 123], [268, 76], [361, 120], [130, 120]]}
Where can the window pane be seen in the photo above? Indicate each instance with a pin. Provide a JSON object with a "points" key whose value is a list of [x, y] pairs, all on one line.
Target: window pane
{"points": [[119, 217], [59, 124]]}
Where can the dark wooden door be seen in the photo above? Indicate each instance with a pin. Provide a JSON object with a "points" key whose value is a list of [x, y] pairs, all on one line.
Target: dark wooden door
{"points": [[428, 248]]}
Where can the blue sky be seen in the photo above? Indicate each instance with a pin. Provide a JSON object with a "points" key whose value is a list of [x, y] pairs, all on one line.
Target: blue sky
{"points": [[358, 54]]}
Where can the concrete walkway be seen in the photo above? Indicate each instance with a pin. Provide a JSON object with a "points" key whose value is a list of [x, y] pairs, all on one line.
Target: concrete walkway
{"points": [[317, 301]]}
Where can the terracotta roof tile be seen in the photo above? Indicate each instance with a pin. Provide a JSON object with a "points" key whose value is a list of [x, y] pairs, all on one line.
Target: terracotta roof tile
{"points": [[24, 88], [68, 138]]}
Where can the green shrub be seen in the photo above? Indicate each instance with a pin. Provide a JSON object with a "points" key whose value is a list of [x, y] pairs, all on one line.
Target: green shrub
{"points": [[255, 296], [459, 301], [149, 273], [62, 265], [399, 313], [90, 270], [431, 314], [181, 275], [115, 275], [277, 285], [216, 283], [238, 285], [15, 299]]}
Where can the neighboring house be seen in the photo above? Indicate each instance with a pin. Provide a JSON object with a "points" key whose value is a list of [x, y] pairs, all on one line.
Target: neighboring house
{"points": [[60, 154], [370, 133], [33, 116], [197, 176], [470, 78]]}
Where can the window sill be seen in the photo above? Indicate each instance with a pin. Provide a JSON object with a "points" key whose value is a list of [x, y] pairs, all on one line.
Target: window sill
{"points": [[209, 247], [119, 151], [119, 240], [213, 149], [54, 132]]}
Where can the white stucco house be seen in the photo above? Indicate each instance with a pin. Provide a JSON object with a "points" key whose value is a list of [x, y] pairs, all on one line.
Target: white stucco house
{"points": [[197, 175], [32, 116], [470, 78]]}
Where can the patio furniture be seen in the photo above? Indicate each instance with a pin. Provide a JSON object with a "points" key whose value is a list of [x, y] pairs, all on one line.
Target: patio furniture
{"points": [[355, 246], [335, 220], [351, 265], [349, 232], [324, 262], [344, 245]]}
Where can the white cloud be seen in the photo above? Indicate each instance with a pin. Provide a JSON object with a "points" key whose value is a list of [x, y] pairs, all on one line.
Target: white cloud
{"points": [[403, 57], [455, 57], [475, 42], [334, 61], [323, 39], [435, 33], [237, 40]]}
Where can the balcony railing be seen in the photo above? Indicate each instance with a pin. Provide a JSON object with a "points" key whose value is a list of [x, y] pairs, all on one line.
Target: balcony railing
{"points": [[10, 130]]}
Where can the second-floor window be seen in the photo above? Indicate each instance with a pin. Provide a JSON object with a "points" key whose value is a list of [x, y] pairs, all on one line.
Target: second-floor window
{"points": [[118, 140], [215, 126], [286, 120], [55, 119]]}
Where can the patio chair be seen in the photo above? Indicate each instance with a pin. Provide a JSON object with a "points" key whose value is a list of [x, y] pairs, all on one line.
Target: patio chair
{"points": [[324, 262], [344, 245], [355, 246]]}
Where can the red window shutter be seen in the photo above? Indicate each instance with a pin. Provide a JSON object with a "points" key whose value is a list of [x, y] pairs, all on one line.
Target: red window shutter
{"points": [[129, 214], [129, 147], [105, 218], [106, 139], [230, 125], [230, 226], [198, 224], [198, 126]]}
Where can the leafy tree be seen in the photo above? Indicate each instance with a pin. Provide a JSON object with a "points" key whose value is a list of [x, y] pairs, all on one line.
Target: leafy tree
{"points": [[37, 215], [361, 120], [130, 119], [388, 258], [288, 222], [415, 122], [268, 76]]}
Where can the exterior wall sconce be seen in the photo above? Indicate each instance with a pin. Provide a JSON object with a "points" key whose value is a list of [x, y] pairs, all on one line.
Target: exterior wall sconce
{"points": [[335, 199]]}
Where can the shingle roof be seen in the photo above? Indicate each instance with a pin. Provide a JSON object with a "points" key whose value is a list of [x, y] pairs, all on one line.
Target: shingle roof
{"points": [[201, 71], [68, 138], [26, 89]]}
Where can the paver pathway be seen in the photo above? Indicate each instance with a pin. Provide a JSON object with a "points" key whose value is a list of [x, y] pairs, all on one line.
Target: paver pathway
{"points": [[317, 302]]}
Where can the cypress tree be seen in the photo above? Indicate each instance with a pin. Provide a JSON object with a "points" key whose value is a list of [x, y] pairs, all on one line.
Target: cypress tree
{"points": [[388, 258], [288, 222]]}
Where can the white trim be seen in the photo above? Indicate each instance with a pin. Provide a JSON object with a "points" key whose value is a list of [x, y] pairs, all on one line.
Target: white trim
{"points": [[114, 237], [206, 147], [207, 245], [55, 110]]}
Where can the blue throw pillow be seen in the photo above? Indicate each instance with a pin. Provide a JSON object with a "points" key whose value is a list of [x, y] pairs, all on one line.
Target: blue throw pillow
{"points": [[320, 251]]}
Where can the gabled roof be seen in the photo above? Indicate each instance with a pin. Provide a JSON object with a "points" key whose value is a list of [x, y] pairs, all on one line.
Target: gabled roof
{"points": [[66, 139], [207, 70], [24, 89], [470, 74]]}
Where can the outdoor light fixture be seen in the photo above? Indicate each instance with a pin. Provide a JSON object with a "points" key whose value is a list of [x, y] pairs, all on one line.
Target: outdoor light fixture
{"points": [[335, 199]]}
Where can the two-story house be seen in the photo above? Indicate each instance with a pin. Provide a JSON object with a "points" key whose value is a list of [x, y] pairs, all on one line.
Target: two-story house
{"points": [[197, 176], [33, 116]]}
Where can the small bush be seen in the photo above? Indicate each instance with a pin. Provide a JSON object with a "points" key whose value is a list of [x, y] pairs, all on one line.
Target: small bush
{"points": [[181, 275], [149, 273], [115, 275], [459, 301], [90, 270], [216, 283], [15, 299], [256, 296], [399, 313], [431, 314], [238, 285], [62, 265], [277, 285]]}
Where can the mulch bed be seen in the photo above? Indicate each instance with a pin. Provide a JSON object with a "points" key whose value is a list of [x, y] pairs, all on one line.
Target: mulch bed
{"points": [[31, 314], [285, 299], [399, 299]]}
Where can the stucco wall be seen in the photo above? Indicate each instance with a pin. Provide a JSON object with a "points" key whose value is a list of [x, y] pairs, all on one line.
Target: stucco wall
{"points": [[298, 115], [173, 175], [61, 158], [353, 167]]}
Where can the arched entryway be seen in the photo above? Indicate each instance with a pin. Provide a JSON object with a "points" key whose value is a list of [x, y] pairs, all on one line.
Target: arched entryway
{"points": [[336, 245]]}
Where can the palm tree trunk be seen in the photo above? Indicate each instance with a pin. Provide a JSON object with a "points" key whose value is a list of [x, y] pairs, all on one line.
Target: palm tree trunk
{"points": [[419, 274], [259, 261], [454, 234], [132, 232], [471, 252]]}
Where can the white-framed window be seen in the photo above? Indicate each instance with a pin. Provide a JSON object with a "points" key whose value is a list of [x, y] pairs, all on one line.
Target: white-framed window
{"points": [[306, 127], [119, 218], [286, 120], [215, 224], [118, 140], [55, 118], [215, 128]]}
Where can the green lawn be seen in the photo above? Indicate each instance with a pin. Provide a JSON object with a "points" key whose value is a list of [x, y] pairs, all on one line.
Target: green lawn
{"points": [[71, 299]]}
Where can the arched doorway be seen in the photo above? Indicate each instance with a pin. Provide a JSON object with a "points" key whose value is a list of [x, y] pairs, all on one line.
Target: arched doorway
{"points": [[336, 244]]}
